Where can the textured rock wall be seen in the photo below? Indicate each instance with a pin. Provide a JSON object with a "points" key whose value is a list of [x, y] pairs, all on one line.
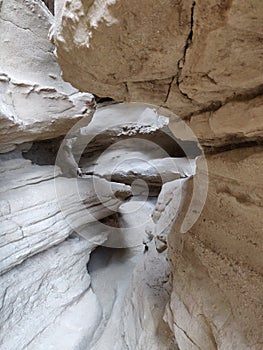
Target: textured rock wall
{"points": [[199, 59], [47, 300], [45, 289], [203, 61], [217, 272], [34, 315], [35, 103], [34, 208]]}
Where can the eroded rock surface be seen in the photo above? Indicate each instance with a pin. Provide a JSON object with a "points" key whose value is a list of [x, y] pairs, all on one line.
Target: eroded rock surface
{"points": [[41, 297], [35, 103], [217, 271], [38, 212], [43, 205], [201, 60], [148, 293], [154, 172]]}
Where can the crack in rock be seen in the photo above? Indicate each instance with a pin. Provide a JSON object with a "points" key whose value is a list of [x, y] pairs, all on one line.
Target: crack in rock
{"points": [[188, 43]]}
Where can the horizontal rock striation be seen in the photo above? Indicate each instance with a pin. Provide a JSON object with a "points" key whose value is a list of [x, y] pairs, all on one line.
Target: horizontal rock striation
{"points": [[200, 60], [38, 212], [217, 269], [35, 103]]}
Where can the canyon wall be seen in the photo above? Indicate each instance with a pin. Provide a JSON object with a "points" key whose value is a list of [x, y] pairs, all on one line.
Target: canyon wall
{"points": [[199, 60], [202, 61], [217, 269]]}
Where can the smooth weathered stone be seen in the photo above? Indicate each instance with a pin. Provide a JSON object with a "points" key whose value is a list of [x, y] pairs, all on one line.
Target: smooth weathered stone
{"points": [[44, 299], [130, 167]]}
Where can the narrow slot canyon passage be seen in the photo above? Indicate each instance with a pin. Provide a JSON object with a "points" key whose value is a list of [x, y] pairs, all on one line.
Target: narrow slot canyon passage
{"points": [[131, 175], [110, 191], [129, 272]]}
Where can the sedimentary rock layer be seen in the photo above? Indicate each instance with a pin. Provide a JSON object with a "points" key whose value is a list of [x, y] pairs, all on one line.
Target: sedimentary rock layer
{"points": [[35, 103], [217, 271], [34, 315], [38, 212]]}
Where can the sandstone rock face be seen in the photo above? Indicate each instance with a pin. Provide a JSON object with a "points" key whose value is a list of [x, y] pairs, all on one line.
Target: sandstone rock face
{"points": [[217, 272], [34, 315], [35, 103], [199, 59]]}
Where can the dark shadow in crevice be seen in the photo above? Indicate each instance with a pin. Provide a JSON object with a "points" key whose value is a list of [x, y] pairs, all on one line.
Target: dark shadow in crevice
{"points": [[232, 146], [44, 152], [50, 5], [99, 99]]}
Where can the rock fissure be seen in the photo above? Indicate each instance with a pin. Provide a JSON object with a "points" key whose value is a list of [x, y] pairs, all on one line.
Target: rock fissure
{"points": [[237, 144], [169, 89], [214, 106], [181, 62], [187, 336]]}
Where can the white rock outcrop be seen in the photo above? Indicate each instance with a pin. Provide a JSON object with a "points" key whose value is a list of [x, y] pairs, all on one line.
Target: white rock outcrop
{"points": [[41, 297], [145, 302], [35, 103], [38, 212]]}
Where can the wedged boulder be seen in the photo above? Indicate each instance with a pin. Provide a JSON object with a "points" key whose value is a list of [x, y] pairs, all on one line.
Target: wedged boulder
{"points": [[35, 103], [128, 168], [38, 211], [130, 131], [47, 303], [168, 209], [120, 30], [118, 122], [205, 68], [217, 268]]}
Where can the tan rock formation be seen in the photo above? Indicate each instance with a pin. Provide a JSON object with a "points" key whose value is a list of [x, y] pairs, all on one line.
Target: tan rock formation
{"points": [[216, 301], [200, 59]]}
